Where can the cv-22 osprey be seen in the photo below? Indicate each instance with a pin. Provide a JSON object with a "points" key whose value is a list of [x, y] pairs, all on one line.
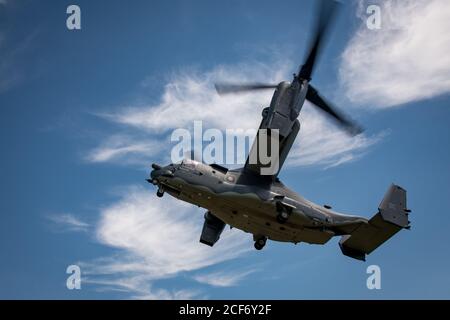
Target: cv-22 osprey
{"points": [[261, 204]]}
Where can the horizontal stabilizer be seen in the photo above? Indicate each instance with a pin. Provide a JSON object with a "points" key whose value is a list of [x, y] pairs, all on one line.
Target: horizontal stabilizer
{"points": [[392, 216]]}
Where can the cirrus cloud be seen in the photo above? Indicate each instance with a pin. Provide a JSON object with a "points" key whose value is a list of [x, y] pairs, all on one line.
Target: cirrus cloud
{"points": [[68, 222], [190, 96], [404, 61], [156, 240]]}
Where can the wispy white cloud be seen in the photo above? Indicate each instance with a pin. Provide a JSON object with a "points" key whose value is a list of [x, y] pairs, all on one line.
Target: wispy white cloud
{"points": [[222, 278], [68, 222], [322, 143], [155, 240], [139, 287], [319, 135], [190, 96], [13, 65], [406, 60], [123, 149]]}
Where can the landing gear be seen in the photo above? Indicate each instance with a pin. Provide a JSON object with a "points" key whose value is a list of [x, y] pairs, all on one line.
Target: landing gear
{"points": [[260, 243], [160, 192], [283, 213]]}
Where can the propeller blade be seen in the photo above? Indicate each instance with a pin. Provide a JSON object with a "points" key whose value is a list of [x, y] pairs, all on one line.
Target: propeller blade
{"points": [[326, 13], [225, 88], [314, 97]]}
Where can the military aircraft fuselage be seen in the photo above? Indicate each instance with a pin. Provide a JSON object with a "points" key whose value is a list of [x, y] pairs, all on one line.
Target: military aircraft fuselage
{"points": [[251, 203]]}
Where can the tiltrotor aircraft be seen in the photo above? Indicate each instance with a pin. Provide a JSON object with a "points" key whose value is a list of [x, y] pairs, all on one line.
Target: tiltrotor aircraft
{"points": [[261, 204]]}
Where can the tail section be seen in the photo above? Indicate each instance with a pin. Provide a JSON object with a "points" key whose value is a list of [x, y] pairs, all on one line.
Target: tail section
{"points": [[392, 216]]}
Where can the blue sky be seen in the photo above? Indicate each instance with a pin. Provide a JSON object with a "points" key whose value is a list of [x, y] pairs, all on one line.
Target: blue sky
{"points": [[84, 114]]}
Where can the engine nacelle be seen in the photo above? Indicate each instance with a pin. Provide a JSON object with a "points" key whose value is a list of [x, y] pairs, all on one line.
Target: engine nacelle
{"points": [[212, 229]]}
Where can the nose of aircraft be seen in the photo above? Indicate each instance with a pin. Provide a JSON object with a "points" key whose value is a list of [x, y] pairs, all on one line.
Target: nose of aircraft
{"points": [[159, 171]]}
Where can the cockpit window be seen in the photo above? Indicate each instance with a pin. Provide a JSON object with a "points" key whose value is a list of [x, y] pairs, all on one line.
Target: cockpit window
{"points": [[219, 168], [187, 163]]}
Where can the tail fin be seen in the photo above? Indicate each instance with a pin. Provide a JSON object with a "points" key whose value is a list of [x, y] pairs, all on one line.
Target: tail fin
{"points": [[392, 216]]}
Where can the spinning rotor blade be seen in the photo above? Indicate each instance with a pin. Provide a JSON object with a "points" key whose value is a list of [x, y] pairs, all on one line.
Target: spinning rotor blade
{"points": [[350, 126], [225, 88], [326, 12]]}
